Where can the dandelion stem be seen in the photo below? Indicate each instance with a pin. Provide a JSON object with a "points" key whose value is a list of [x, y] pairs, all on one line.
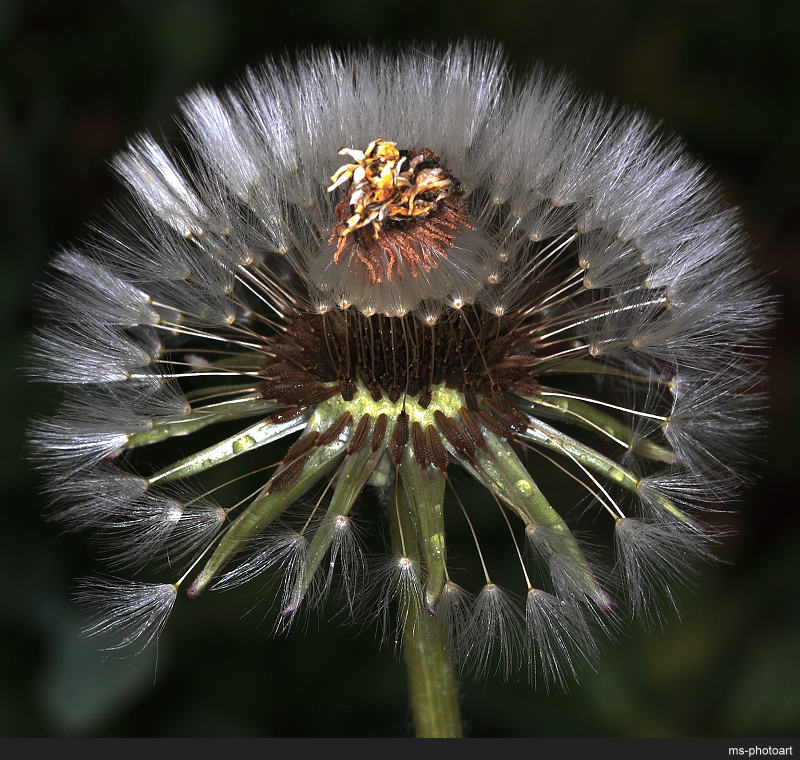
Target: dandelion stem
{"points": [[425, 493], [432, 680]]}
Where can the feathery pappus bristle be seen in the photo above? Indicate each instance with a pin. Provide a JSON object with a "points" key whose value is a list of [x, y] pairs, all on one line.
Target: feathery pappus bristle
{"points": [[128, 615]]}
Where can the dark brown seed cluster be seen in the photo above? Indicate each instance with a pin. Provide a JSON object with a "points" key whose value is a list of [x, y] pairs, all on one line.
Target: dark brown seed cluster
{"points": [[471, 351], [482, 356]]}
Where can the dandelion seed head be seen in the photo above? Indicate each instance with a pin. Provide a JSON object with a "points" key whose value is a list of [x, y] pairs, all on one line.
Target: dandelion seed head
{"points": [[503, 279]]}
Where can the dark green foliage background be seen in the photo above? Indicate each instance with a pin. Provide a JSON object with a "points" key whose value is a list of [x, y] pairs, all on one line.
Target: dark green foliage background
{"points": [[77, 79]]}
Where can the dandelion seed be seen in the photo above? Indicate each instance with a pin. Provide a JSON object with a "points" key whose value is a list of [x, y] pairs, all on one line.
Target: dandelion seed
{"points": [[402, 267], [656, 560], [494, 633], [128, 614], [556, 634]]}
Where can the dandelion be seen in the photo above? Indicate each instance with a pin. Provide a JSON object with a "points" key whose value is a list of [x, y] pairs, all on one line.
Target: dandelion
{"points": [[409, 270]]}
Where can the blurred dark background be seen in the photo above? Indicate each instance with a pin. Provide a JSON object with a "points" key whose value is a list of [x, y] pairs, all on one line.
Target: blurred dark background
{"points": [[77, 79]]}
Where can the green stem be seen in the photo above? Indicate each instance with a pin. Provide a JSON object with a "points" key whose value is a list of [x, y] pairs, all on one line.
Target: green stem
{"points": [[432, 679]]}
